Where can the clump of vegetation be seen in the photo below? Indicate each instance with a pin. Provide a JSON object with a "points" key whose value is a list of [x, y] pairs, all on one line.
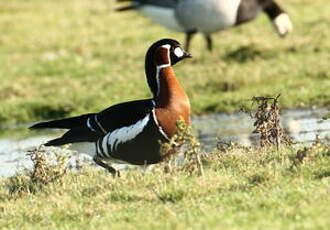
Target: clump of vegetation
{"points": [[45, 171], [225, 147], [316, 150], [185, 144], [267, 122]]}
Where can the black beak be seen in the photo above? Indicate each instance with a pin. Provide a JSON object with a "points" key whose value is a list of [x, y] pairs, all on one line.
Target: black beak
{"points": [[187, 55]]}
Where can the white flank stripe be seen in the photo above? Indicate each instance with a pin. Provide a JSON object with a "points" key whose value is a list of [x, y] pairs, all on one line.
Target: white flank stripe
{"points": [[98, 123], [126, 133], [98, 148], [89, 125], [104, 146]]}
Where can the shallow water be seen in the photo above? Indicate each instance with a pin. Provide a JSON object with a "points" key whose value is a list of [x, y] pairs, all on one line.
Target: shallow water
{"points": [[302, 125]]}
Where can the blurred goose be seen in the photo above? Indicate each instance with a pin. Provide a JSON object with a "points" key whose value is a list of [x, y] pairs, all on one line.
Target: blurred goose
{"points": [[209, 16], [131, 132]]}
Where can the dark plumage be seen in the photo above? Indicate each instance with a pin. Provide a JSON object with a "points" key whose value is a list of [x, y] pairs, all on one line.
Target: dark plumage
{"points": [[132, 131]]}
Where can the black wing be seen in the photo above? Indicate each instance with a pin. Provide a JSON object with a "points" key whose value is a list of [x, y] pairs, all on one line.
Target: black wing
{"points": [[90, 127], [124, 114]]}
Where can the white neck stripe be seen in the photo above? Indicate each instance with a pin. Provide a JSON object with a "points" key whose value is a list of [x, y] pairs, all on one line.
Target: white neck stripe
{"points": [[159, 127], [159, 68], [163, 66]]}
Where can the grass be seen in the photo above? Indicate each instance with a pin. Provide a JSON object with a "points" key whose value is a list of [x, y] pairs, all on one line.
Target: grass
{"points": [[241, 188], [230, 187], [67, 57]]}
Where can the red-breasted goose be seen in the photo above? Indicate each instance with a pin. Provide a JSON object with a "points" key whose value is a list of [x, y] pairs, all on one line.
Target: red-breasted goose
{"points": [[132, 131], [209, 16]]}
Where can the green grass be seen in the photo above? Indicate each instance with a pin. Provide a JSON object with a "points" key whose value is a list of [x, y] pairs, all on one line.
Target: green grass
{"points": [[241, 189], [66, 57]]}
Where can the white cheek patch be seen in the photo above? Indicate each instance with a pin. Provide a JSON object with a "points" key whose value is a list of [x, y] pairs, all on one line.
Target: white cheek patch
{"points": [[167, 46], [283, 24], [178, 52]]}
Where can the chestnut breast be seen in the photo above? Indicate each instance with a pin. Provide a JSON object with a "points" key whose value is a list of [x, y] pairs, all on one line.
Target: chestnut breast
{"points": [[172, 102]]}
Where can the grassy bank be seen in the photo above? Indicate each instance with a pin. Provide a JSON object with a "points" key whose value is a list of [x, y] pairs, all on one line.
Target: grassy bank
{"points": [[62, 58], [241, 189]]}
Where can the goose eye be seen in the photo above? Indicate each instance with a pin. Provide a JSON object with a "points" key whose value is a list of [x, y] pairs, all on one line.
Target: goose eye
{"points": [[178, 52]]}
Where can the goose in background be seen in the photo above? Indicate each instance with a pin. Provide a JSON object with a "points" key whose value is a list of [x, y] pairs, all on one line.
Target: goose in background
{"points": [[209, 16]]}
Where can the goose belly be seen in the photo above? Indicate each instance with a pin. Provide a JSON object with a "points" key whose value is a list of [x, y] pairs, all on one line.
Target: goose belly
{"points": [[162, 15], [207, 16]]}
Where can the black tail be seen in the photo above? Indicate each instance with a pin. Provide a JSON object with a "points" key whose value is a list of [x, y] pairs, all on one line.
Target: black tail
{"points": [[67, 123], [80, 134]]}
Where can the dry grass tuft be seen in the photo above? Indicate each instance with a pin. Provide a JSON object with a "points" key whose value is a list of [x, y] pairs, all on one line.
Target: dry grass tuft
{"points": [[225, 146], [45, 171], [307, 154], [185, 144], [267, 122]]}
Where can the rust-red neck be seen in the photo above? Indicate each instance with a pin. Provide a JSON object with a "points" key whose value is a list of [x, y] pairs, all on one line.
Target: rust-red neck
{"points": [[172, 103], [168, 86]]}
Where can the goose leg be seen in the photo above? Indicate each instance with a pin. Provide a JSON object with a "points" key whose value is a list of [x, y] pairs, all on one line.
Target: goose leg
{"points": [[111, 170], [209, 43], [189, 36]]}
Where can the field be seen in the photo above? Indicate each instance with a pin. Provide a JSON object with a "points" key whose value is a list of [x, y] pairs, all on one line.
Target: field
{"points": [[240, 189], [66, 57]]}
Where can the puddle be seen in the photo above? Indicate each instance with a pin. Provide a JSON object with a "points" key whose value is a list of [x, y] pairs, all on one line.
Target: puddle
{"points": [[302, 125]]}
